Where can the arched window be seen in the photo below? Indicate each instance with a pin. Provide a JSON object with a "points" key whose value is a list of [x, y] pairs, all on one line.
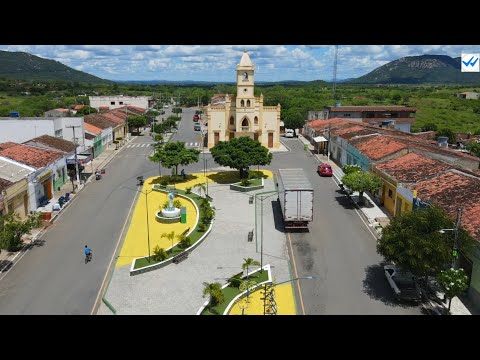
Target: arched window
{"points": [[245, 126], [242, 103], [232, 120], [248, 103], [255, 121]]}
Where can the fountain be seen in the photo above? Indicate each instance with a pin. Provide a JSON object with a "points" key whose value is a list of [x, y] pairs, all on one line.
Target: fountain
{"points": [[171, 214]]}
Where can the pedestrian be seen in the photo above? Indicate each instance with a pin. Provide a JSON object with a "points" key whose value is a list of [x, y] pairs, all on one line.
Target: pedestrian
{"points": [[183, 174]]}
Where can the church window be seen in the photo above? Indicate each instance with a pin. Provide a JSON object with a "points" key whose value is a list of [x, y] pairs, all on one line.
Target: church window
{"points": [[232, 120], [248, 103], [245, 126], [242, 103], [255, 121]]}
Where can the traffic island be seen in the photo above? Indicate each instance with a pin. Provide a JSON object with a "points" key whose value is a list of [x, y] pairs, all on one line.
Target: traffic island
{"points": [[247, 185]]}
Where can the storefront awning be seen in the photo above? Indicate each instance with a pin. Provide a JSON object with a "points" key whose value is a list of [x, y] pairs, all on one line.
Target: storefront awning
{"points": [[319, 139]]}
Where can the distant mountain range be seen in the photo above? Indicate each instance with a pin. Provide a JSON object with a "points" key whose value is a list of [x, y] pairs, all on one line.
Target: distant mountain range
{"points": [[25, 66], [423, 69]]}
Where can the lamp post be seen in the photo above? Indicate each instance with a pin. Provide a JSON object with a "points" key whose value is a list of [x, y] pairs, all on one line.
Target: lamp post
{"points": [[271, 193], [146, 192], [455, 237]]}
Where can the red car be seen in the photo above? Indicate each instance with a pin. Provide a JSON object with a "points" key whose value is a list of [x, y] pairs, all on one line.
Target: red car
{"points": [[325, 170], [196, 117]]}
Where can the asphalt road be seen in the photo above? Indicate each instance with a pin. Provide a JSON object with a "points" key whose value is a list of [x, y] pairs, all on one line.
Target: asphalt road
{"points": [[52, 278], [338, 250], [185, 133]]}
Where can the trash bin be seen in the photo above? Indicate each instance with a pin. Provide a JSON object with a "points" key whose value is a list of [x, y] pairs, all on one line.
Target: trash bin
{"points": [[183, 215]]}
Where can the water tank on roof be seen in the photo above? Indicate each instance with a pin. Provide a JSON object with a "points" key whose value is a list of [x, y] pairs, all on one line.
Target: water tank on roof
{"points": [[442, 141], [338, 104], [14, 114]]}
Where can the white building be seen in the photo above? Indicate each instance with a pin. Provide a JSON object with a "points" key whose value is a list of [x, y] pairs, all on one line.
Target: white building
{"points": [[19, 130], [243, 114], [115, 102]]}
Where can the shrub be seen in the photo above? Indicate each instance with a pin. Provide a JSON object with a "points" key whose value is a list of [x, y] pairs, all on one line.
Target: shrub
{"points": [[201, 227], [164, 181], [348, 169], [245, 182], [185, 242], [159, 254], [235, 280], [188, 190]]}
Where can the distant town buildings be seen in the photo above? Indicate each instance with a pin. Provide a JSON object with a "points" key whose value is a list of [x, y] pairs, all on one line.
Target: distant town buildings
{"points": [[115, 102], [243, 114], [469, 95]]}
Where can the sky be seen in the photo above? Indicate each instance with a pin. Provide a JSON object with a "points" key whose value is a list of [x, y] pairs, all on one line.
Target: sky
{"points": [[218, 62]]}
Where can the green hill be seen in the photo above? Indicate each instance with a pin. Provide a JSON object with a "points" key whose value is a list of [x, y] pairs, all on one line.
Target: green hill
{"points": [[424, 69], [25, 66]]}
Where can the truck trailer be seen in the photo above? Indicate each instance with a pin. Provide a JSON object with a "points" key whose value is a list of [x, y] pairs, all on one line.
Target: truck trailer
{"points": [[295, 194]]}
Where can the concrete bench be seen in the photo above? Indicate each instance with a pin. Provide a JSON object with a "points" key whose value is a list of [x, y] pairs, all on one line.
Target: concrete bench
{"points": [[180, 257]]}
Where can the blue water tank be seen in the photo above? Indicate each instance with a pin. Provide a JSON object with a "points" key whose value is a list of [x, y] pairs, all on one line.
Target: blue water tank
{"points": [[338, 104], [14, 114]]}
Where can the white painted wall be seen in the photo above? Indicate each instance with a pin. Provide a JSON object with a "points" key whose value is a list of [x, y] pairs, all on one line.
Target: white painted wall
{"points": [[139, 101]]}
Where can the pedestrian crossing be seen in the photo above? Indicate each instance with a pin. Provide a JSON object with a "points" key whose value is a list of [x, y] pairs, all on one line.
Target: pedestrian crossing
{"points": [[129, 146], [192, 144]]}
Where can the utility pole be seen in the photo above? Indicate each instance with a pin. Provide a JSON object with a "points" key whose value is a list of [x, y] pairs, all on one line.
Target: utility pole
{"points": [[328, 144], [335, 73], [76, 158], [455, 238]]}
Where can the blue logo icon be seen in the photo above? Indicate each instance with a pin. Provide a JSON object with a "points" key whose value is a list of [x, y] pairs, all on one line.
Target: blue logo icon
{"points": [[470, 63]]}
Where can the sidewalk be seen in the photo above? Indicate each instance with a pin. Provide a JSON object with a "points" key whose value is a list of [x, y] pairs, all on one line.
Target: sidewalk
{"points": [[377, 219]]}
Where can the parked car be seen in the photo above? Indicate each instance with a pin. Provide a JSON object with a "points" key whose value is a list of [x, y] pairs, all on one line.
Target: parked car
{"points": [[403, 283], [197, 127], [325, 170], [289, 133], [196, 117]]}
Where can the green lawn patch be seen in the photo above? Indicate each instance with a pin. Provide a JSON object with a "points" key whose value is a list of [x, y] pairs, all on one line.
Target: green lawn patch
{"points": [[230, 292], [194, 236]]}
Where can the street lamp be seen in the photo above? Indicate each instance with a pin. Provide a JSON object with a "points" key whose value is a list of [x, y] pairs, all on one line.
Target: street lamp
{"points": [[146, 192], [455, 237]]}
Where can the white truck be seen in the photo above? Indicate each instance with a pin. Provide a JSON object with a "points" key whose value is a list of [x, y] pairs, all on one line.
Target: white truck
{"points": [[295, 193]]}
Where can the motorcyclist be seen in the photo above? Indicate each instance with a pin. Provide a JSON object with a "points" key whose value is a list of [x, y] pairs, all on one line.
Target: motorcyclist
{"points": [[88, 252]]}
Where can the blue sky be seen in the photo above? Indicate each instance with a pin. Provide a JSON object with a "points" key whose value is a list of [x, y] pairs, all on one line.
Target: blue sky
{"points": [[218, 62]]}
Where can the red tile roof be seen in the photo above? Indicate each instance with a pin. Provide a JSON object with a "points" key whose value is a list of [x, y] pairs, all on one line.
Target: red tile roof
{"points": [[412, 167], [376, 147], [7, 144], [54, 142], [91, 128], [77, 107], [324, 124], [370, 108], [118, 120], [30, 155], [451, 190], [62, 110], [99, 121]]}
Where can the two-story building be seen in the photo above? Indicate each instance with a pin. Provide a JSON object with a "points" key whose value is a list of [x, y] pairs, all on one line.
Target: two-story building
{"points": [[118, 101]]}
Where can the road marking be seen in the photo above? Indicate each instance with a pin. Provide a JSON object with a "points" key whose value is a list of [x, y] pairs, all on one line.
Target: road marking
{"points": [[296, 274], [129, 146], [114, 252]]}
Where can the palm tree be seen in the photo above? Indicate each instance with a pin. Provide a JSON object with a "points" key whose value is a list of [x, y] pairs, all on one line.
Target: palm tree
{"points": [[248, 263], [246, 285], [201, 186], [215, 292], [169, 236]]}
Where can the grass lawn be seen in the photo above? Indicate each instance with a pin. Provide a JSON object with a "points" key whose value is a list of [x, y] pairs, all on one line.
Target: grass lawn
{"points": [[194, 236], [230, 292], [253, 182]]}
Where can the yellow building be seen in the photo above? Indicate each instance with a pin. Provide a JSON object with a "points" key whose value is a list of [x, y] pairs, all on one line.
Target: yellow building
{"points": [[244, 114]]}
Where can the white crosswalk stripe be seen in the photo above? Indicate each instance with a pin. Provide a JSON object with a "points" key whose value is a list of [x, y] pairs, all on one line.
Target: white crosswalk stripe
{"points": [[129, 146]]}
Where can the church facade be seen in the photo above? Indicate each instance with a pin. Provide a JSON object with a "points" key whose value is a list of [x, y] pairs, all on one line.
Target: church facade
{"points": [[243, 114]]}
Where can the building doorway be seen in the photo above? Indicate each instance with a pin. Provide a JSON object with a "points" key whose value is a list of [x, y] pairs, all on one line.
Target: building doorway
{"points": [[216, 138], [270, 140]]}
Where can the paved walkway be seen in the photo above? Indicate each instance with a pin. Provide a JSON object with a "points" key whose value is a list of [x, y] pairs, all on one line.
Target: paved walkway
{"points": [[177, 289]]}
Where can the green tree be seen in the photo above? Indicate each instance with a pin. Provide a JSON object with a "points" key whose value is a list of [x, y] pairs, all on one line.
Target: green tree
{"points": [[429, 127], [474, 148], [348, 169], [241, 153], [412, 240], [293, 118], [249, 262], [362, 181], [159, 254], [12, 229], [214, 290], [173, 154], [454, 282], [246, 285], [86, 110], [201, 187], [169, 236], [137, 121], [452, 137]]}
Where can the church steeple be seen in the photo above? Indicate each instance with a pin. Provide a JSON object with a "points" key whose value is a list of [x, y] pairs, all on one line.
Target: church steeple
{"points": [[245, 78]]}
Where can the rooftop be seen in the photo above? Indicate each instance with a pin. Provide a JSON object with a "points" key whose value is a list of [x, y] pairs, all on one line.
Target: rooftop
{"points": [[29, 155], [245, 60], [12, 171], [413, 167], [451, 190], [377, 147], [54, 142], [370, 108], [92, 129], [100, 121], [4, 184]]}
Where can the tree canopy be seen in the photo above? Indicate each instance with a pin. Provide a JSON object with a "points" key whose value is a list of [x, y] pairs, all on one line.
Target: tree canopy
{"points": [[173, 154], [137, 121], [474, 148], [12, 228], [362, 181], [293, 118], [413, 241], [241, 153]]}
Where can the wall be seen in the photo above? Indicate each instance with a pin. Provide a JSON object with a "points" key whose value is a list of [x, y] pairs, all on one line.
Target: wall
{"points": [[317, 115], [138, 101], [270, 121], [17, 194], [354, 115], [20, 130]]}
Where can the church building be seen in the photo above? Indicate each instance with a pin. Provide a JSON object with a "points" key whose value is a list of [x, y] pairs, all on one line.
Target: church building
{"points": [[243, 114]]}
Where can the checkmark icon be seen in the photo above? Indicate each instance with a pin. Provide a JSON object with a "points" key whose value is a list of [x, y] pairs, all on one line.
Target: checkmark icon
{"points": [[473, 64], [468, 63]]}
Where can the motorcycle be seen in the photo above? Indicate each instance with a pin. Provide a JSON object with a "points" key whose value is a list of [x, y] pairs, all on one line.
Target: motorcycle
{"points": [[88, 257], [98, 176]]}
